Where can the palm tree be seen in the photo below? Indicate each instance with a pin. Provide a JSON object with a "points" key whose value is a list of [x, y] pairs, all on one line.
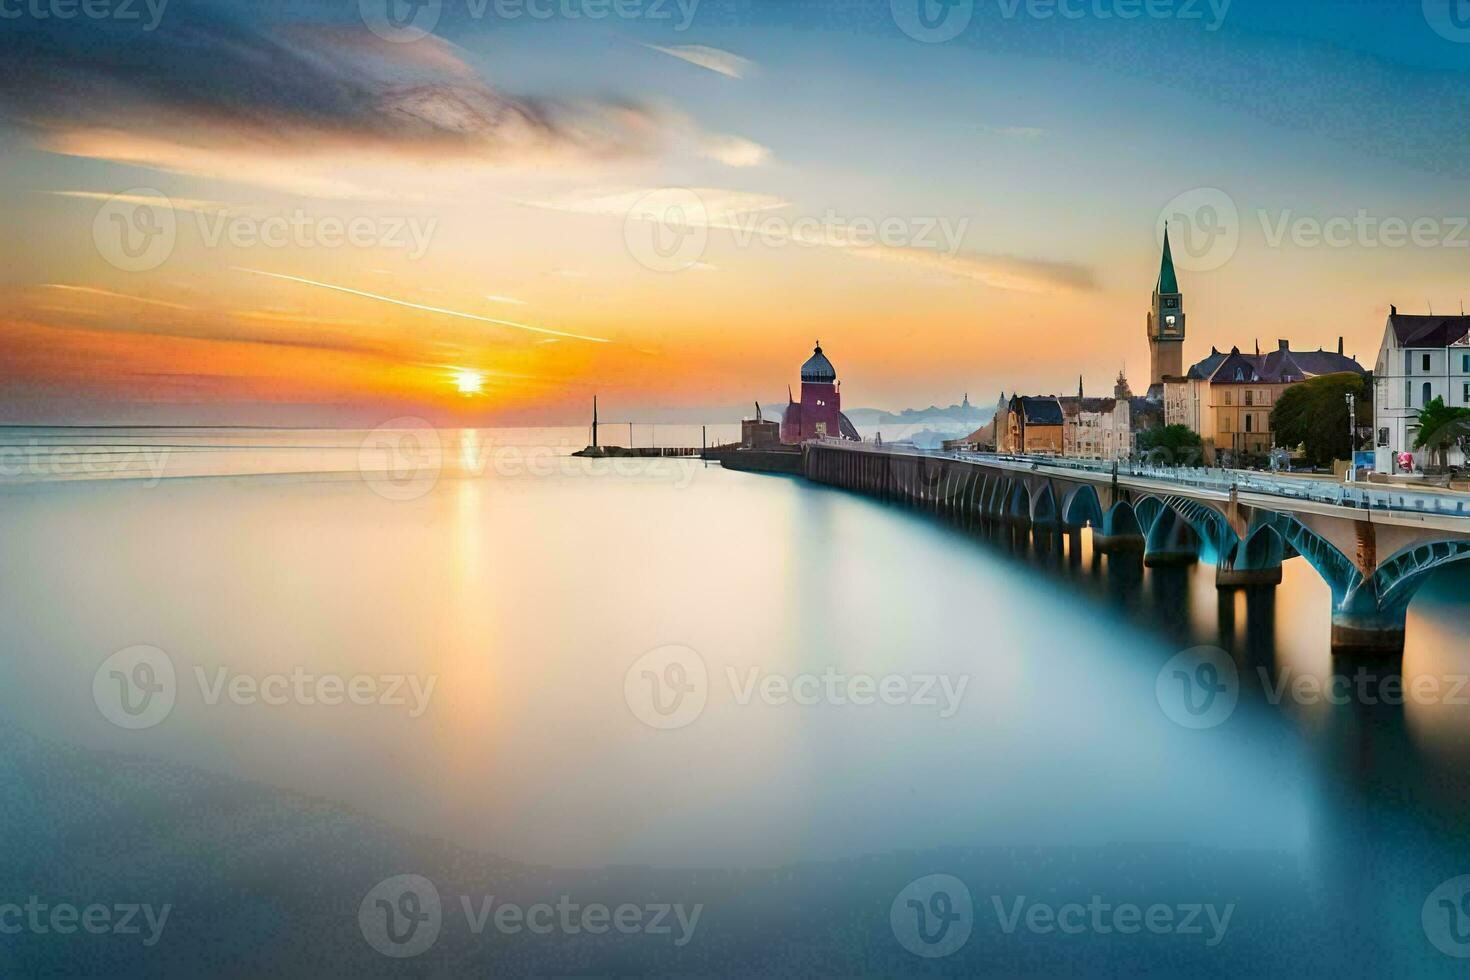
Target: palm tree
{"points": [[1441, 426]]}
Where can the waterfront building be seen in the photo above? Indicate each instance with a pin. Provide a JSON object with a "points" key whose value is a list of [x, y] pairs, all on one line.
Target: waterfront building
{"points": [[759, 432], [819, 412], [1098, 428], [1421, 358], [1032, 424], [1227, 398]]}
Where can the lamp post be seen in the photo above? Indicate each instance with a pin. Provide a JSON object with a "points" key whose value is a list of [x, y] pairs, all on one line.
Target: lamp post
{"points": [[1352, 405]]}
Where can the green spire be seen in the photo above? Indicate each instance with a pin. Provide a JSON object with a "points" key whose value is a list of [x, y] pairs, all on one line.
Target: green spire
{"points": [[1168, 283]]}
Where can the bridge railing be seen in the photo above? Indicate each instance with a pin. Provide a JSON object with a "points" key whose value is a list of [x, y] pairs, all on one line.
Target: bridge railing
{"points": [[1337, 494]]}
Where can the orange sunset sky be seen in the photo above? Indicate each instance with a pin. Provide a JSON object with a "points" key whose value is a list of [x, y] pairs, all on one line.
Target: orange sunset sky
{"points": [[512, 184]]}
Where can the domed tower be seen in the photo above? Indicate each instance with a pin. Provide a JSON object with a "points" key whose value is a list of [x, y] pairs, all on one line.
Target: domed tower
{"points": [[819, 413]]}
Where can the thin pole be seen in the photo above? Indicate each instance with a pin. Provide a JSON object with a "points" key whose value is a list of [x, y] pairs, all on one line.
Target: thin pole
{"points": [[594, 421], [630, 435]]}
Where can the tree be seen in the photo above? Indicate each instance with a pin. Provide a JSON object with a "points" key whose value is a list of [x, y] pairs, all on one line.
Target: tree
{"points": [[1313, 416], [1171, 444], [1440, 427]]}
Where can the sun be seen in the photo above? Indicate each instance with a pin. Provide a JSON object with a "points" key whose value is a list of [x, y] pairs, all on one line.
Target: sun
{"points": [[468, 382]]}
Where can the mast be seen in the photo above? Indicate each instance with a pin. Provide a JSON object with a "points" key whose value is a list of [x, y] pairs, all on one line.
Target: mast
{"points": [[594, 421]]}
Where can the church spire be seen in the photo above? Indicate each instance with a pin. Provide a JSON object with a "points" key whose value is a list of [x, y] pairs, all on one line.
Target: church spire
{"points": [[1168, 282]]}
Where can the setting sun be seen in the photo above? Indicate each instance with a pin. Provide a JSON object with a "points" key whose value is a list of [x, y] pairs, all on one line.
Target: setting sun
{"points": [[469, 382]]}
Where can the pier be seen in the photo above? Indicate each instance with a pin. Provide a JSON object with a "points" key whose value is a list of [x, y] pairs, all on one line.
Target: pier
{"points": [[1374, 546]]}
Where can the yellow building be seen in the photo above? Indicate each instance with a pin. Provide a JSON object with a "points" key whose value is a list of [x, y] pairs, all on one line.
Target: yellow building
{"points": [[1227, 398], [1031, 425]]}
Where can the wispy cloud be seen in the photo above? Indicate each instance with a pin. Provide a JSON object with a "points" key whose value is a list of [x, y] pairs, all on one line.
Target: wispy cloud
{"points": [[420, 306], [1006, 272], [177, 203], [109, 294], [744, 214], [511, 300], [712, 207], [733, 151], [714, 59], [239, 98]]}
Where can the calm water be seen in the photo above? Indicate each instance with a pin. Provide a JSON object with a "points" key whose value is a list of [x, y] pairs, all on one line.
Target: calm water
{"points": [[517, 628]]}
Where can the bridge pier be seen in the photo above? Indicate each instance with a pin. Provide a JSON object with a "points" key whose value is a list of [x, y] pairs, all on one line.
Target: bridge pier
{"points": [[1120, 531], [1255, 561], [1378, 633], [1170, 541]]}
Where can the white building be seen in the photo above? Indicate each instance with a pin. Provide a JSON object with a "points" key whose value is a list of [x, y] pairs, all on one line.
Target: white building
{"points": [[1422, 358], [1098, 428]]}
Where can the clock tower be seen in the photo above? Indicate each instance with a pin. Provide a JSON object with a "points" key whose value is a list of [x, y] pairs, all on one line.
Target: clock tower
{"points": [[1166, 324]]}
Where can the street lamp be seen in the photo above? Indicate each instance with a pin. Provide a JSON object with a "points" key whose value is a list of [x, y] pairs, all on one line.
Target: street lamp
{"points": [[1352, 405]]}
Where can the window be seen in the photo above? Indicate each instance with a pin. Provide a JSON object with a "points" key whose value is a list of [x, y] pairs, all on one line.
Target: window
{"points": [[1408, 362], [1249, 418], [1408, 394], [1426, 363], [1428, 393], [1250, 396], [1229, 397], [1465, 363], [1383, 436], [1465, 397]]}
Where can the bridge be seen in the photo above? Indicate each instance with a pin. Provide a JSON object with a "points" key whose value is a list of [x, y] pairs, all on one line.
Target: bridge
{"points": [[1374, 545]]}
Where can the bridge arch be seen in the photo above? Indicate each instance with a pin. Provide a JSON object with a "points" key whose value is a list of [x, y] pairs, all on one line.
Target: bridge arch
{"points": [[1083, 507], [1043, 504], [1017, 502], [1397, 579], [1147, 508]]}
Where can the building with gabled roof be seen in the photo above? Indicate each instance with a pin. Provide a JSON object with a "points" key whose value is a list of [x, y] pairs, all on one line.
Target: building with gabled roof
{"points": [[1421, 358], [1227, 397]]}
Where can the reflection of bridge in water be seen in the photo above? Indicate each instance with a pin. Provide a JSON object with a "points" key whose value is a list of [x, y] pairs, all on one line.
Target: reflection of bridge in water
{"points": [[1374, 545]]}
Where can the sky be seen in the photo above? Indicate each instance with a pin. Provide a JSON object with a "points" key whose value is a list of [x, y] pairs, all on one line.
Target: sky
{"points": [[484, 211]]}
